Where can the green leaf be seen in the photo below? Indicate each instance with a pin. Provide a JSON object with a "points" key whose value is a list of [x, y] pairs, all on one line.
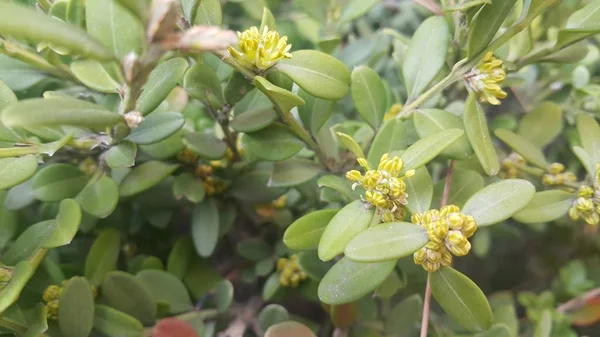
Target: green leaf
{"points": [[404, 316], [7, 96], [180, 257], [426, 55], [271, 315], [238, 87], [139, 8], [485, 25], [9, 220], [254, 249], [542, 125], [465, 183], [497, 330], [387, 241], [585, 159], [351, 144], [268, 20], [9, 294], [355, 9], [461, 299], [293, 172], [202, 83], [315, 112], [283, 99], [114, 26], [187, 185], [21, 22], [67, 224], [499, 201], [252, 186], [111, 322], [419, 188], [99, 198], [338, 288], [94, 75], [529, 151], [38, 324], [271, 286], [317, 73], [289, 329], [121, 155], [103, 256], [224, 295], [58, 111], [208, 13], [544, 326], [589, 134], [76, 310], [425, 149], [347, 223], [166, 287], [581, 24], [368, 95], [156, 127], [145, 176], [161, 82], [306, 232], [29, 242], [253, 120], [476, 128], [430, 121], [340, 185], [205, 227], [546, 206], [58, 181], [14, 171], [124, 292], [273, 143], [206, 145], [391, 137]]}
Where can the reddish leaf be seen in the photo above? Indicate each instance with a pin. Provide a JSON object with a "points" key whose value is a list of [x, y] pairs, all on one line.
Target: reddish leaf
{"points": [[173, 327], [586, 315]]}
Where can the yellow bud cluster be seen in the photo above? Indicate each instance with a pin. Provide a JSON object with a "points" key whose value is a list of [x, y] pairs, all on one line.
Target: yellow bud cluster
{"points": [[393, 112], [52, 295], [260, 50], [88, 166], [509, 168], [187, 156], [486, 79], [448, 231], [212, 186], [385, 187], [586, 206], [557, 176], [291, 274]]}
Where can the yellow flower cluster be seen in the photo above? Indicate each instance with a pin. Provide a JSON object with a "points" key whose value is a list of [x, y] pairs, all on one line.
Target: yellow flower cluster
{"points": [[393, 112], [291, 274], [448, 231], [260, 50], [52, 298], [557, 176], [385, 187], [187, 156], [509, 167], [587, 204], [486, 80]]}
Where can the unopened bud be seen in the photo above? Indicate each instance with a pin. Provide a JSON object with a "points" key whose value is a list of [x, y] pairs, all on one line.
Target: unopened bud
{"points": [[133, 119], [131, 66], [163, 19], [201, 39]]}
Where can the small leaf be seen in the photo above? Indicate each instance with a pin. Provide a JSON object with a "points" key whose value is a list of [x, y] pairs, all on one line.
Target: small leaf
{"points": [[161, 81], [271, 315], [21, 273], [267, 21], [253, 120], [112, 322], [180, 257], [347, 223], [340, 185], [529, 151], [156, 127], [208, 13], [589, 134], [485, 25], [58, 111], [404, 316], [166, 287], [544, 326], [14, 171], [67, 224], [187, 185], [542, 125], [206, 145], [99, 198], [338, 288], [306, 232], [315, 112], [391, 137], [93, 75], [103, 256], [430, 121], [124, 292], [202, 83], [145, 176], [546, 206], [121, 155], [289, 329], [224, 295], [351, 144], [29, 242], [293, 172], [76, 301], [205, 227], [425, 149], [585, 159], [499, 201], [355, 9], [387, 241], [7, 96], [273, 143], [581, 24], [58, 181], [283, 99], [476, 128], [254, 249], [317, 73], [419, 188], [368, 95], [426, 55], [461, 299]]}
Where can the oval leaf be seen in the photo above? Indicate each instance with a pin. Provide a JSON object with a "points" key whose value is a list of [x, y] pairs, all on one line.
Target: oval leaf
{"points": [[289, 329], [430, 121], [546, 206], [205, 227], [206, 145], [145, 176], [529, 151], [542, 125], [485, 25], [167, 288], [306, 232], [476, 128], [76, 310], [14, 171], [103, 256], [293, 172], [156, 127], [121, 155], [161, 81], [124, 292], [274, 143], [425, 149], [67, 224], [368, 95], [93, 75], [112, 322], [58, 181]]}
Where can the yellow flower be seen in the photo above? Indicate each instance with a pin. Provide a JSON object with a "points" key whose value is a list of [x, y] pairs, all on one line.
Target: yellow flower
{"points": [[557, 176], [486, 80], [291, 273], [260, 50], [385, 187], [587, 205], [509, 167], [392, 112]]}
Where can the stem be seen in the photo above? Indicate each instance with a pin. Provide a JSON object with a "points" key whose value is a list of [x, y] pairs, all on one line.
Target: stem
{"points": [[454, 75], [226, 57], [12, 326], [299, 131], [446, 192], [230, 138], [579, 301]]}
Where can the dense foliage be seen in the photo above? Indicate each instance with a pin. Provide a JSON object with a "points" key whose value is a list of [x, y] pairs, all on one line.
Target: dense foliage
{"points": [[347, 168]]}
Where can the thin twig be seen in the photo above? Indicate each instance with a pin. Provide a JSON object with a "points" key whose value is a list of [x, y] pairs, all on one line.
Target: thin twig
{"points": [[446, 192], [430, 6], [578, 301]]}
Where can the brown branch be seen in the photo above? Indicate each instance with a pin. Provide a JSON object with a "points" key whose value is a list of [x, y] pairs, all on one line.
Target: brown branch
{"points": [[579, 301], [244, 319]]}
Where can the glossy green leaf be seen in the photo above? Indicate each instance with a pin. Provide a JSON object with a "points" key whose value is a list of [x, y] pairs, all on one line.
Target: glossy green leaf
{"points": [[589, 134], [274, 143], [252, 186], [205, 227], [208, 13], [103, 256], [161, 81], [581, 24], [419, 188], [461, 299], [121, 155], [392, 136], [486, 24], [476, 129], [99, 198], [347, 223], [388, 241], [14, 171], [431, 121], [529, 151], [253, 120], [21, 22], [145, 176], [283, 99], [293, 172], [124, 292], [58, 181], [9, 294], [237, 88], [112, 322], [206, 145], [544, 326], [543, 124], [202, 83], [31, 240], [67, 224], [355, 9], [93, 75], [425, 149], [271, 286], [76, 310], [306, 232], [271, 315], [38, 324], [156, 127], [426, 55], [289, 329], [340, 185], [368, 95], [58, 111], [351, 144], [347, 280], [180, 257], [165, 287], [404, 316], [254, 249], [188, 186], [499, 201], [317, 73], [546, 206], [497, 330], [268, 21], [115, 27], [315, 112], [224, 295]]}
